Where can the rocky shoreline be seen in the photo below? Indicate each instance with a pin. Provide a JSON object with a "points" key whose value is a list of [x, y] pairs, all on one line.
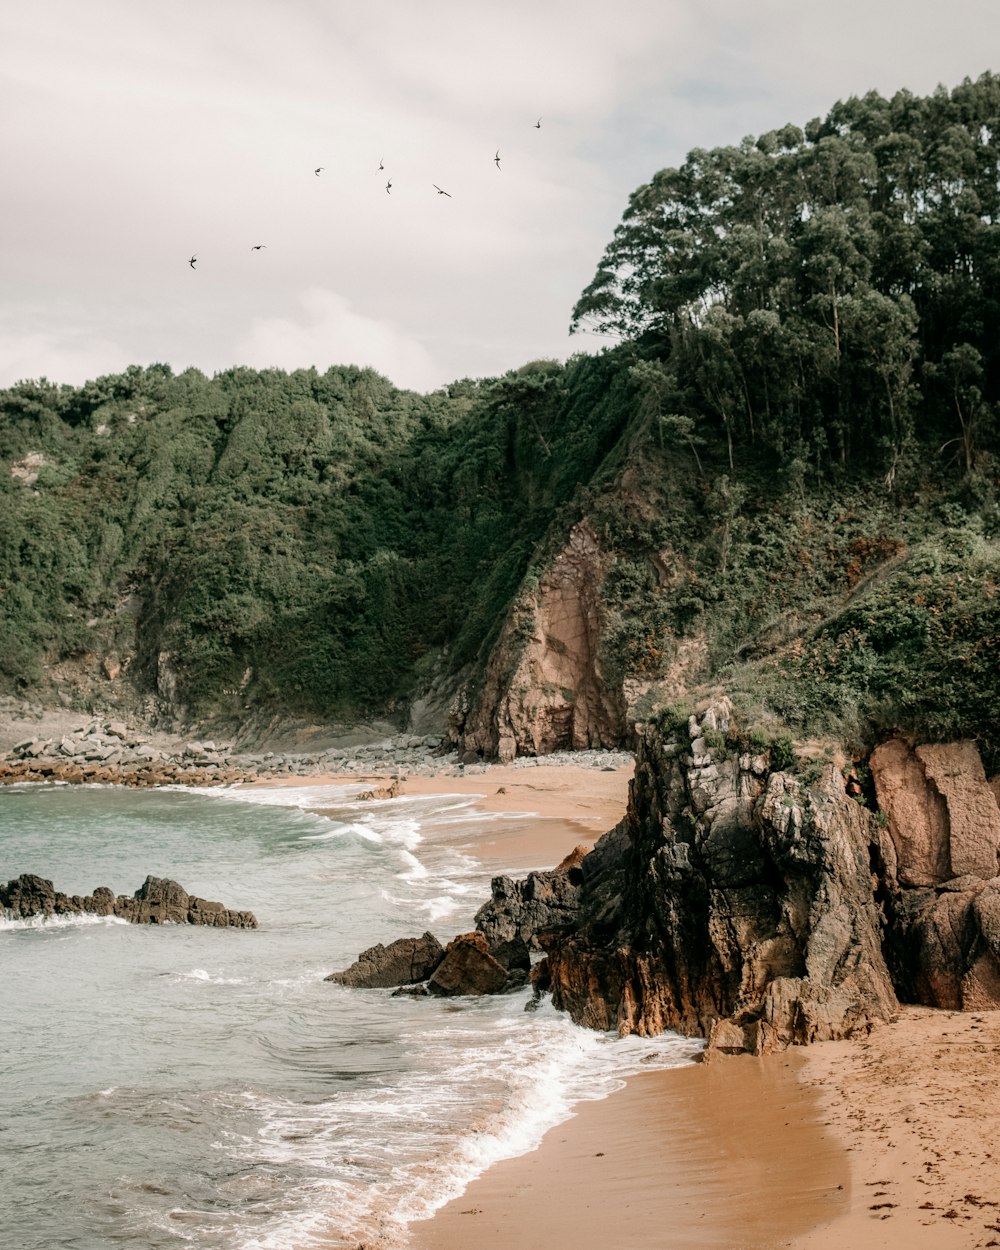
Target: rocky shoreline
{"points": [[111, 752], [157, 901]]}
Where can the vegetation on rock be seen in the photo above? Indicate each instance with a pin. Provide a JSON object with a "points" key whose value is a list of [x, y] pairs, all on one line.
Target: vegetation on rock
{"points": [[789, 461]]}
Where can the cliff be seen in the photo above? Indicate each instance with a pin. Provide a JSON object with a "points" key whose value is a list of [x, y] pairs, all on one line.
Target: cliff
{"points": [[544, 688], [732, 903]]}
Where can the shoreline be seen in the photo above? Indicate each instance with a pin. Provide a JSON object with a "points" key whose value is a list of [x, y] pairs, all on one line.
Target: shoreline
{"points": [[886, 1140], [868, 1142]]}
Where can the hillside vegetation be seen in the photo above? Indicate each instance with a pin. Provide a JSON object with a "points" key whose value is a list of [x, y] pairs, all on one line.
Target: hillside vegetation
{"points": [[789, 458]]}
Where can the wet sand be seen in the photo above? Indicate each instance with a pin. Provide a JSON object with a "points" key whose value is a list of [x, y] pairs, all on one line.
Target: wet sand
{"points": [[711, 1157], [559, 807]]}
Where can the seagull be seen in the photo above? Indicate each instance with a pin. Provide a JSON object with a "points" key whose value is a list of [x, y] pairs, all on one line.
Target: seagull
{"points": [[439, 191], [388, 186], [192, 260], [496, 159], [255, 247], [380, 165], [317, 172], [538, 124]]}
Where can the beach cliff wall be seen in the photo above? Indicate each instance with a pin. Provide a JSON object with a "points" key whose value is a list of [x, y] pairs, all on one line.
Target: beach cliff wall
{"points": [[739, 903], [543, 688]]}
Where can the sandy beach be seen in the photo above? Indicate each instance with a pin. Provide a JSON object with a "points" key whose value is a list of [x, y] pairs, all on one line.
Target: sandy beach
{"points": [[564, 806], [875, 1143]]}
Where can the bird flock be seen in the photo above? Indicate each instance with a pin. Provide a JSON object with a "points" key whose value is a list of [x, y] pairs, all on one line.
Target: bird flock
{"points": [[256, 247]]}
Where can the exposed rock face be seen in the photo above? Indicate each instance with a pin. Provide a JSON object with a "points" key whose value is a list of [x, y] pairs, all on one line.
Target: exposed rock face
{"points": [[403, 962], [468, 968], [519, 911], [728, 894], [943, 891], [943, 815], [157, 901], [547, 693]]}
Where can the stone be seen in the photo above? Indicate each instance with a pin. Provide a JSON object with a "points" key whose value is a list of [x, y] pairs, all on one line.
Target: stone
{"points": [[157, 901], [917, 815], [468, 968], [956, 770], [752, 906], [403, 962]]}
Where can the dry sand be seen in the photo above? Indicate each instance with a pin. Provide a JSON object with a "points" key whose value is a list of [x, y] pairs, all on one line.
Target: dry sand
{"points": [[917, 1105]]}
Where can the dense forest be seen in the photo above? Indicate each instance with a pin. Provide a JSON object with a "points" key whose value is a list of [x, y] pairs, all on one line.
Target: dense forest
{"points": [[789, 454]]}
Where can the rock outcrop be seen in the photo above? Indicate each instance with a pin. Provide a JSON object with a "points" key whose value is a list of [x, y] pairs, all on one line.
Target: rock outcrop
{"points": [[157, 901], [941, 884], [469, 968], [519, 911], [403, 962], [732, 901], [544, 689]]}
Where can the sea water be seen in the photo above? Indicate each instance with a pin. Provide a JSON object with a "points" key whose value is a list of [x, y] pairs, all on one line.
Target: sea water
{"points": [[180, 1086]]}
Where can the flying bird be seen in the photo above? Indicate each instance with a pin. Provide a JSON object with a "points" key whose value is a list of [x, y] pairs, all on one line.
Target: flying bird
{"points": [[380, 165], [255, 247], [538, 124], [192, 261], [318, 171], [388, 187], [439, 191], [496, 159]]}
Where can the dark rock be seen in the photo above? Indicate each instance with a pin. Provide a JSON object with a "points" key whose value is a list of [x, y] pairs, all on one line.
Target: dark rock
{"points": [[402, 962], [409, 991], [157, 901], [726, 894], [468, 968], [519, 911]]}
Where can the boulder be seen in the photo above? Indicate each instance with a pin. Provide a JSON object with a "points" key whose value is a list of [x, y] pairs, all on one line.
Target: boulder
{"points": [[403, 962], [468, 968]]}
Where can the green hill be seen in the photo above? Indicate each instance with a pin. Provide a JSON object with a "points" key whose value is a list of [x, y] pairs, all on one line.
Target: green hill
{"points": [[788, 462]]}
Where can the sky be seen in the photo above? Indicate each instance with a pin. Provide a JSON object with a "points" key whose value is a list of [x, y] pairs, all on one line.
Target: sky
{"points": [[136, 135]]}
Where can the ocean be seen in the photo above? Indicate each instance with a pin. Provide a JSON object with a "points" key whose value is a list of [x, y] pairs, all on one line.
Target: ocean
{"points": [[178, 1086]]}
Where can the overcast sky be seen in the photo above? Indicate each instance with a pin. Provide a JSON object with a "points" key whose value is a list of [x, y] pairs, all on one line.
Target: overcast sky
{"points": [[136, 134]]}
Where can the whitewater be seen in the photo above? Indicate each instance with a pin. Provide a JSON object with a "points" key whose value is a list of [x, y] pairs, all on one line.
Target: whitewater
{"points": [[195, 1087]]}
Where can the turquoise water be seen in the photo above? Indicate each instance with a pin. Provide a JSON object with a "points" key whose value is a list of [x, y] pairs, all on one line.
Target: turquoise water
{"points": [[184, 1087]]}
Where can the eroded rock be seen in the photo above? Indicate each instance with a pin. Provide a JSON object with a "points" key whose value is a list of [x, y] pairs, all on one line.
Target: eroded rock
{"points": [[403, 962], [157, 901], [468, 968]]}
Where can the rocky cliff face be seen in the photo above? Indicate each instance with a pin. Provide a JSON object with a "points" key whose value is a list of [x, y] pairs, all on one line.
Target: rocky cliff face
{"points": [[543, 689], [940, 879], [731, 903]]}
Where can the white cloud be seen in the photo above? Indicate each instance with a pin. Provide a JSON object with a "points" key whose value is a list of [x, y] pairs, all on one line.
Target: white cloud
{"points": [[331, 332], [67, 357]]}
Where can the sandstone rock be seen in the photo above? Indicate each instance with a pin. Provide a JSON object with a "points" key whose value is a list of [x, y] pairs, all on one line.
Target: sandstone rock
{"points": [[402, 962], [917, 815], [956, 770], [468, 968], [544, 689], [391, 791], [757, 909]]}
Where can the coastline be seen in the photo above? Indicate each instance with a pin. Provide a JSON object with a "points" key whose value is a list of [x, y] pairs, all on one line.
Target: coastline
{"points": [[875, 1143], [560, 806], [870, 1142], [708, 1157]]}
